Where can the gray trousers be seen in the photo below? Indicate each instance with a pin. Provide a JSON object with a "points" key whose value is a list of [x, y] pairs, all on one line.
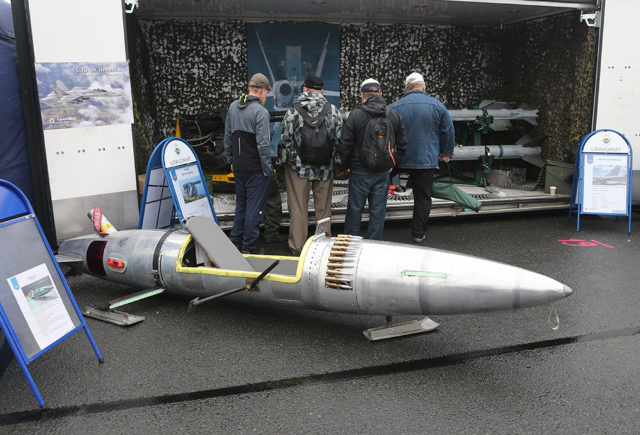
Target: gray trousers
{"points": [[298, 201]]}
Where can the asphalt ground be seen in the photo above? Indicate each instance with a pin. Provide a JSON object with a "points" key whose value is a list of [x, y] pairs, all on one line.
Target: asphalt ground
{"points": [[235, 368]]}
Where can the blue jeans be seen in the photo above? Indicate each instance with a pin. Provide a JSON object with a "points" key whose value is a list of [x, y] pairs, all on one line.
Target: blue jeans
{"points": [[371, 186], [251, 197]]}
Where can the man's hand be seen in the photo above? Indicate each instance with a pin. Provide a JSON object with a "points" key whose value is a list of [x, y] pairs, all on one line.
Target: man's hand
{"points": [[342, 175], [444, 157]]}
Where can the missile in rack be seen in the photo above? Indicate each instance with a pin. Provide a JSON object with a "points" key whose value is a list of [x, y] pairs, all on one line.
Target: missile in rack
{"points": [[343, 274]]}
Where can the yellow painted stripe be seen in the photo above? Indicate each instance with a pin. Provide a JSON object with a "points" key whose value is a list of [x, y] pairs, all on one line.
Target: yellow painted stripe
{"points": [[244, 273]]}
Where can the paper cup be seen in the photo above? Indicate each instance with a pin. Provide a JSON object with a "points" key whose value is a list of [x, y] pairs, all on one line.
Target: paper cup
{"points": [[552, 190]]}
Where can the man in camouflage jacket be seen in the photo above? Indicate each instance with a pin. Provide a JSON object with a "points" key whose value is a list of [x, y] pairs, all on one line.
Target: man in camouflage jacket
{"points": [[301, 178]]}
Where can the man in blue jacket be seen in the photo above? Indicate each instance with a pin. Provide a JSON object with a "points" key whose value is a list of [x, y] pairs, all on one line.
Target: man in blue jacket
{"points": [[430, 137], [247, 146]]}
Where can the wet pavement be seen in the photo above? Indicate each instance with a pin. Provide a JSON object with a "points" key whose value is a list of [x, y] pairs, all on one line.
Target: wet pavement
{"points": [[234, 368]]}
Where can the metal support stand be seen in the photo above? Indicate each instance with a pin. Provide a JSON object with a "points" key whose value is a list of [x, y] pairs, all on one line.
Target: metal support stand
{"points": [[108, 314], [400, 329]]}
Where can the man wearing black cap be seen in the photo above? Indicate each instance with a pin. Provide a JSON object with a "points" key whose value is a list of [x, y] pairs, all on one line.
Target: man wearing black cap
{"points": [[369, 180], [247, 147], [310, 136]]}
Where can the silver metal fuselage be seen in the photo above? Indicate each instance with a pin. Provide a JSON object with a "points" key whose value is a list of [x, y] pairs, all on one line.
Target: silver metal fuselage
{"points": [[370, 277]]}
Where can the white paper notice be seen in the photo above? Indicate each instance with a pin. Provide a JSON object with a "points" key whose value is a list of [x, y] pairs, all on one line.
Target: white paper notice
{"points": [[191, 191], [41, 305], [605, 184]]}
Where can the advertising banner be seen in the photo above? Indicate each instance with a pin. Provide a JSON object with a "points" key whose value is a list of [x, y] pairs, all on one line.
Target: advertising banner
{"points": [[76, 94]]}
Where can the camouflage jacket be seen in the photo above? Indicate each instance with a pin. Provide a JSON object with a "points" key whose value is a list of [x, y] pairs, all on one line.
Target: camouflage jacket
{"points": [[292, 131]]}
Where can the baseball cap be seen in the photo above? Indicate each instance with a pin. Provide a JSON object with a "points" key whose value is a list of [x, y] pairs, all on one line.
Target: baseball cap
{"points": [[413, 78], [260, 81], [370, 85]]}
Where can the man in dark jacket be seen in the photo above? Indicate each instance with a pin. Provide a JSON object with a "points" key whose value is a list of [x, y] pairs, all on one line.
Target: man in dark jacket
{"points": [[364, 183], [247, 147], [430, 137]]}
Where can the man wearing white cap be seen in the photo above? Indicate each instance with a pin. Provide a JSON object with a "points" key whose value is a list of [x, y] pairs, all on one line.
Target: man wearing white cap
{"points": [[373, 140], [430, 137]]}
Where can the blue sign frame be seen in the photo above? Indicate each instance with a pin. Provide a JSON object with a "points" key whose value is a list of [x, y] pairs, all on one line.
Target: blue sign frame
{"points": [[15, 208], [585, 157], [157, 161]]}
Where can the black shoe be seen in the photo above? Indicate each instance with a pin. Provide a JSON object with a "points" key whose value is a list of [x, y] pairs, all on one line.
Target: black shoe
{"points": [[274, 238], [238, 245], [294, 252], [419, 239], [253, 250]]}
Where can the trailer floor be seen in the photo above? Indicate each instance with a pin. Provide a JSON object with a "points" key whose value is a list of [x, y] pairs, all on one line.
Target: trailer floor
{"points": [[401, 206]]}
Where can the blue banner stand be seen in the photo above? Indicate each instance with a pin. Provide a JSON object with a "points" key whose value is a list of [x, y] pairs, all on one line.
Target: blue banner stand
{"points": [[604, 176], [18, 220], [174, 184]]}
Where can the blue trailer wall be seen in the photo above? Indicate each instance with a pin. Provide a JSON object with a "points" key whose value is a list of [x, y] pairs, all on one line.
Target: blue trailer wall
{"points": [[14, 157]]}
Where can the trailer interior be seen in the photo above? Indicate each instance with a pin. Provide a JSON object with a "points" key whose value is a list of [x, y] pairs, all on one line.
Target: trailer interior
{"points": [[189, 62]]}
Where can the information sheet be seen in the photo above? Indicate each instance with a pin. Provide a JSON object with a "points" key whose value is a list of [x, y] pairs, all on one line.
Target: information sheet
{"points": [[605, 183], [191, 191], [41, 305]]}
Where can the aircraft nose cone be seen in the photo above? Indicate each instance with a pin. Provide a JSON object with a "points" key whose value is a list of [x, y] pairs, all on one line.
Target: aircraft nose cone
{"points": [[567, 291]]}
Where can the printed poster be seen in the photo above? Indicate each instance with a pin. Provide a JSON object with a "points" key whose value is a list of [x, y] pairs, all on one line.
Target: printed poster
{"points": [[287, 53], [191, 191], [84, 94], [41, 305], [605, 183]]}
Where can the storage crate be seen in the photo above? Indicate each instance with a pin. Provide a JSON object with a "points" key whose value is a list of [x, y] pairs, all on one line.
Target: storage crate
{"points": [[559, 174]]}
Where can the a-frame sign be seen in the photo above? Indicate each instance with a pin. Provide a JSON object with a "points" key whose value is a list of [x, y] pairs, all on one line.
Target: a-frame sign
{"points": [[603, 175], [37, 309], [174, 185]]}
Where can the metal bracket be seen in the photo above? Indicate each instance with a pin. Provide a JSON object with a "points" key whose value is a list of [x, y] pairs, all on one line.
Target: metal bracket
{"points": [[400, 329], [133, 3], [112, 316], [592, 19]]}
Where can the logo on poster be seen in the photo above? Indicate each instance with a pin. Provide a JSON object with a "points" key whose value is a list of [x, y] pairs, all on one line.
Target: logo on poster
{"points": [[14, 283], [177, 150], [589, 159]]}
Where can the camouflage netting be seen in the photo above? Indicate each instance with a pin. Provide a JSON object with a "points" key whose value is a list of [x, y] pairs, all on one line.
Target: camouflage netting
{"points": [[186, 67], [460, 65], [183, 68], [550, 63]]}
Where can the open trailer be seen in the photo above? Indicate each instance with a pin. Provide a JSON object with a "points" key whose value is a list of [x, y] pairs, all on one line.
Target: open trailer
{"points": [[572, 61]]}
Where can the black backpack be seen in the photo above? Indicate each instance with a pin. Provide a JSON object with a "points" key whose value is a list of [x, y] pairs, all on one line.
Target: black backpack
{"points": [[378, 150], [316, 147]]}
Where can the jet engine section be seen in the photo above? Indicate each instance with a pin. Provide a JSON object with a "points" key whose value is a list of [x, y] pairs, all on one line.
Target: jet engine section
{"points": [[284, 93], [126, 257]]}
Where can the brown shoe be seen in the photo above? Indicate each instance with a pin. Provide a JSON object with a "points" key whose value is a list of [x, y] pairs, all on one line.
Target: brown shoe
{"points": [[419, 239]]}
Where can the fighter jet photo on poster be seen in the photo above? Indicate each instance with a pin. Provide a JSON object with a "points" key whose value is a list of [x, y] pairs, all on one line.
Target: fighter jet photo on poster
{"points": [[84, 95], [288, 53]]}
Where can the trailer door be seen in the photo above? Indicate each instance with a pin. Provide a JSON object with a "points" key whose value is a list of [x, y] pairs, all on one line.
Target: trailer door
{"points": [[617, 99]]}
